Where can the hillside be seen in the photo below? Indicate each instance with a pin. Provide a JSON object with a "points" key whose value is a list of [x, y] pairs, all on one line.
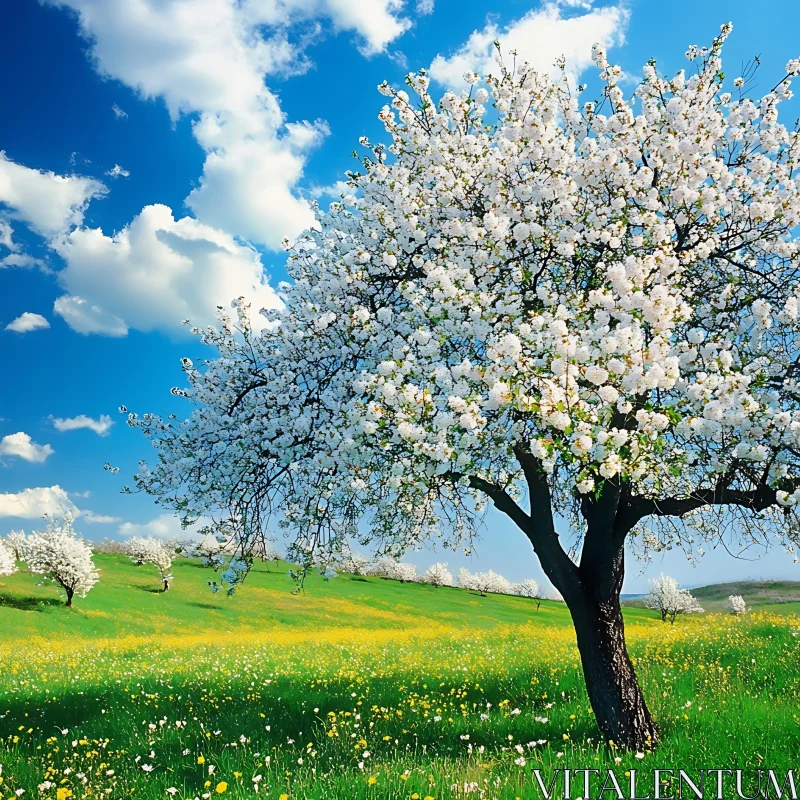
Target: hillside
{"points": [[780, 596], [127, 602]]}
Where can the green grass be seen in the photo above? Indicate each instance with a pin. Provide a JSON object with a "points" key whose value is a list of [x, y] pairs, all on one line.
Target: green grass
{"points": [[296, 688]]}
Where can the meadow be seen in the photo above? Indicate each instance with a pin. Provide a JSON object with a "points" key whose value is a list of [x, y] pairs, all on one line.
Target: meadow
{"points": [[357, 688]]}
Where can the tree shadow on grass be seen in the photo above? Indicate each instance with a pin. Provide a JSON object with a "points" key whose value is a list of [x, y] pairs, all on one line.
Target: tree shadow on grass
{"points": [[150, 589], [205, 605], [28, 603]]}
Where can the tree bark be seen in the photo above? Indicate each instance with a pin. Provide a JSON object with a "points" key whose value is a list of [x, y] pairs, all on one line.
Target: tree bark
{"points": [[70, 594], [617, 701], [166, 584], [591, 590]]}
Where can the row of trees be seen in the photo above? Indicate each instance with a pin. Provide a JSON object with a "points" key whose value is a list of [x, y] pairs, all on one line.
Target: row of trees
{"points": [[438, 574]]}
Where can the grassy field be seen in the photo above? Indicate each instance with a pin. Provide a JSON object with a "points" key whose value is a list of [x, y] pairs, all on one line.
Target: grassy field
{"points": [[356, 689]]}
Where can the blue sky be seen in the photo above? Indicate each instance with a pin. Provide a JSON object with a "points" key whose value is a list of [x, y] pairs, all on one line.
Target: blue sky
{"points": [[157, 151]]}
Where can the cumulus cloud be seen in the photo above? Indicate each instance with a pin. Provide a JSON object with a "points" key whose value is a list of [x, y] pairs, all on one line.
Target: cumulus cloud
{"points": [[165, 526], [48, 203], [211, 58], [154, 273], [425, 6], [100, 426], [247, 185], [22, 446], [36, 503], [84, 317], [26, 322], [540, 37]]}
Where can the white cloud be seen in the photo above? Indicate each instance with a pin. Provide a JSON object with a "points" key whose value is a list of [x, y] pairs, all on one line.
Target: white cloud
{"points": [[36, 503], [165, 526], [95, 519], [21, 445], [540, 37], [425, 6], [86, 318], [118, 112], [118, 172], [6, 231], [19, 260], [27, 322], [100, 426], [247, 184], [48, 203], [155, 273], [212, 57]]}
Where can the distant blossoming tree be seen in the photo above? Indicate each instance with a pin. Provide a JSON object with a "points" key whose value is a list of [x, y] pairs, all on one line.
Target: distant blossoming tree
{"points": [[437, 575], [16, 541], [529, 588], [666, 597], [354, 563], [149, 550], [8, 559], [484, 582], [110, 547], [62, 557], [566, 308], [736, 604], [391, 568]]}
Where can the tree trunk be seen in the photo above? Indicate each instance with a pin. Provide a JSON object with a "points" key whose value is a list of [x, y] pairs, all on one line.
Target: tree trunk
{"points": [[70, 594], [166, 584], [617, 701]]}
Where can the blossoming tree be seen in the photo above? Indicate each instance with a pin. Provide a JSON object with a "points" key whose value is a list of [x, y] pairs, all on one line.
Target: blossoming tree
{"points": [[666, 597], [529, 588], [149, 550], [437, 575], [62, 557], [16, 541], [564, 308], [8, 559], [736, 605], [484, 582]]}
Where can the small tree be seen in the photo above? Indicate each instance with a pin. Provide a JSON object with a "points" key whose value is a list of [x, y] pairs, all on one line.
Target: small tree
{"points": [[484, 582], [62, 558], [529, 588], [391, 568], [575, 311], [437, 575], [666, 597], [736, 604], [16, 541], [354, 563], [110, 547], [8, 559], [148, 550]]}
